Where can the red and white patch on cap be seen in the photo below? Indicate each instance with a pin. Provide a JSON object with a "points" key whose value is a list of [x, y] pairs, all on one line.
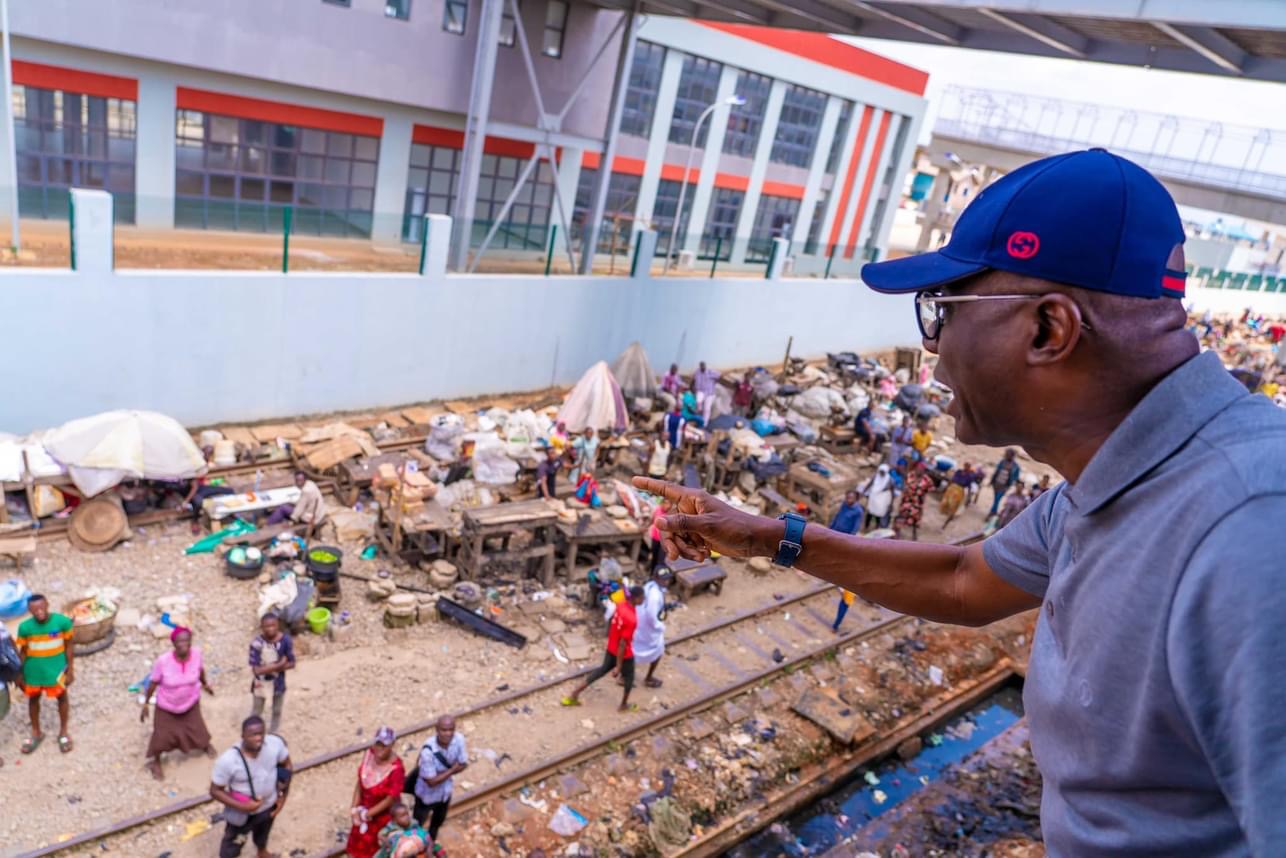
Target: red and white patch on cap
{"points": [[1174, 279]]}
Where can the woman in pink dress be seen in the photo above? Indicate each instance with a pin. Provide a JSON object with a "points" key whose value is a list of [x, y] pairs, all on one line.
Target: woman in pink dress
{"points": [[177, 678]]}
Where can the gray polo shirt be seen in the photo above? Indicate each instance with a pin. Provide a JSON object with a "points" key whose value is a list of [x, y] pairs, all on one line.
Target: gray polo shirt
{"points": [[1155, 691]]}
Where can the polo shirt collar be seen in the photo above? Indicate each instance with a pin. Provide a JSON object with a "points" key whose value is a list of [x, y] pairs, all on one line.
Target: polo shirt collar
{"points": [[1171, 413]]}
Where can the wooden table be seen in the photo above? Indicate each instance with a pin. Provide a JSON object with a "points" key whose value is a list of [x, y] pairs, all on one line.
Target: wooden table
{"points": [[503, 521], [353, 475], [691, 577], [599, 531], [783, 444], [423, 535], [823, 493]]}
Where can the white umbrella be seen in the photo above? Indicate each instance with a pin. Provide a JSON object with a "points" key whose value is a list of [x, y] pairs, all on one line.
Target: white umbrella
{"points": [[595, 401], [102, 450]]}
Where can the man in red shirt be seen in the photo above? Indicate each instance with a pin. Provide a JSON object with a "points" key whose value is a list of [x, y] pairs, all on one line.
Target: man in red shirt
{"points": [[619, 659]]}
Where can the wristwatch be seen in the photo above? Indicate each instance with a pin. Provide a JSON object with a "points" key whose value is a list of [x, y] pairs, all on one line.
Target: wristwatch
{"points": [[792, 541]]}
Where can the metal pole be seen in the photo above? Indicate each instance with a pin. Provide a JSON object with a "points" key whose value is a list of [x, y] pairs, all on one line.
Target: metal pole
{"points": [[829, 260], [11, 153], [718, 249], [287, 217], [475, 131], [620, 83], [424, 240], [549, 255], [683, 187]]}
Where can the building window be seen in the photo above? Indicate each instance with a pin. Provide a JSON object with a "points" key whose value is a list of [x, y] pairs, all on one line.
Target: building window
{"points": [[667, 202], [527, 225], [339, 2], [745, 120], [67, 140], [233, 173], [508, 28], [618, 210], [775, 219], [400, 9], [801, 117], [815, 227], [698, 87], [841, 134], [721, 225], [555, 27], [430, 186], [640, 96], [455, 16]]}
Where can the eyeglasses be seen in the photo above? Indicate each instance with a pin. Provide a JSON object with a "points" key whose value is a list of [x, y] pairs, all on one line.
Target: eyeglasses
{"points": [[931, 310]]}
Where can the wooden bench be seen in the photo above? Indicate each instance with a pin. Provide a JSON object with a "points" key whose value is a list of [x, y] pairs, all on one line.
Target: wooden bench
{"points": [[836, 438], [696, 578], [18, 547]]}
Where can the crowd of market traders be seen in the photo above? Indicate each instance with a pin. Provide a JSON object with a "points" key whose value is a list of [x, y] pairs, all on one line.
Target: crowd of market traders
{"points": [[674, 426]]}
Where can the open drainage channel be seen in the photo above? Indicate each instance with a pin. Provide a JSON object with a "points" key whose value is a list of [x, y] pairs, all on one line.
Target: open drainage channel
{"points": [[855, 802]]}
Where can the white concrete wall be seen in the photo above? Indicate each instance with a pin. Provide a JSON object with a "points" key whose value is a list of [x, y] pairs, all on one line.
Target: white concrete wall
{"points": [[214, 346], [1225, 301]]}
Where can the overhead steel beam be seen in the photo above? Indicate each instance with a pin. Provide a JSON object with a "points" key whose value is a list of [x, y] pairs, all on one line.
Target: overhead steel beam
{"points": [[1208, 42], [829, 18], [1255, 14], [918, 20], [1043, 30], [620, 83], [475, 129], [741, 10]]}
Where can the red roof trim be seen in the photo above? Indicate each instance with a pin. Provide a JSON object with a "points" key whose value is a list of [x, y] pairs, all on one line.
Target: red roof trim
{"points": [[452, 138], [783, 189], [830, 51], [276, 111], [73, 80], [731, 182]]}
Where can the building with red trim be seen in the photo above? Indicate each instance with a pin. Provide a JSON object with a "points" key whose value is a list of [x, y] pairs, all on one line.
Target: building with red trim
{"points": [[352, 113]]}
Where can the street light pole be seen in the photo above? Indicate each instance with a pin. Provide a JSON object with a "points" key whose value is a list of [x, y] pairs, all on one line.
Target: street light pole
{"points": [[732, 100], [11, 156]]}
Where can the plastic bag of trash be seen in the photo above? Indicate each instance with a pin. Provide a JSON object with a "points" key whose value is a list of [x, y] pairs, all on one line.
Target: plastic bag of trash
{"points": [[525, 426], [13, 599], [567, 821], [764, 385], [491, 464], [443, 442], [817, 402]]}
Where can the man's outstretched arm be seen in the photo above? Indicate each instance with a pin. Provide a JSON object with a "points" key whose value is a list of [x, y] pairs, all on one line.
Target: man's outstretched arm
{"points": [[944, 583]]}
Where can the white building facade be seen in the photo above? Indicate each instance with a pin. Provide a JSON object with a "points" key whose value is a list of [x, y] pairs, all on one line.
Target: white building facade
{"points": [[351, 115]]}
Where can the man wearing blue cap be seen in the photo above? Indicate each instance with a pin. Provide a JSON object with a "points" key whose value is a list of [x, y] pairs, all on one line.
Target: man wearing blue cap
{"points": [[1155, 713]]}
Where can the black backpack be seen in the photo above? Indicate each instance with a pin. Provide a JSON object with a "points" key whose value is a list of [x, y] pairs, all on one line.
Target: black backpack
{"points": [[10, 661]]}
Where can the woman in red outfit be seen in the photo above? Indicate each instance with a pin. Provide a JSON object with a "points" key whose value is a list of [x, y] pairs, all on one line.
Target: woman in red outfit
{"points": [[379, 784]]}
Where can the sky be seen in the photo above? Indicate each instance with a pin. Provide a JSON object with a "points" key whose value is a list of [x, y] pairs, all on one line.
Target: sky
{"points": [[1209, 97]]}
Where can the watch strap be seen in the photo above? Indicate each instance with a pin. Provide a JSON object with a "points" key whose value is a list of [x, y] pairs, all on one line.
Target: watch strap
{"points": [[792, 541]]}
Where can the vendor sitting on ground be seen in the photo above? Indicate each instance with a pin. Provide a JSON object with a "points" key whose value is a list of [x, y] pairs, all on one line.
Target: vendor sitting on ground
{"points": [[547, 473], [310, 509]]}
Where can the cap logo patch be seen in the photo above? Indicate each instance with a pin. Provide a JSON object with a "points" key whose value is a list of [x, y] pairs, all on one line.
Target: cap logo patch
{"points": [[1023, 245]]}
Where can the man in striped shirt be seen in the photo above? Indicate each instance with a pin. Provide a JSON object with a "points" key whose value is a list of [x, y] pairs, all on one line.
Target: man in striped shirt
{"points": [[44, 642]]}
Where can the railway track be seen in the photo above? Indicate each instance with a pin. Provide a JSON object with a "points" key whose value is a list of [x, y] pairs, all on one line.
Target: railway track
{"points": [[782, 623]]}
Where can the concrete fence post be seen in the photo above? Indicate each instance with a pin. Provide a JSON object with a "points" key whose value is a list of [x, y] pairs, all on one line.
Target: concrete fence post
{"points": [[437, 245], [644, 251], [777, 258], [91, 230]]}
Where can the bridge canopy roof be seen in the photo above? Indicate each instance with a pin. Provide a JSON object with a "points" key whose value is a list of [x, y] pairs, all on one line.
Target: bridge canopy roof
{"points": [[1238, 38]]}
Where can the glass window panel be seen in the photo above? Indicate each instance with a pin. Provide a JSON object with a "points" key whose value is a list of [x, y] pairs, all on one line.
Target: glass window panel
{"points": [[120, 178], [455, 16], [222, 186], [400, 9], [189, 183], [507, 27], [220, 156], [363, 174], [189, 157], [337, 170], [421, 155], [440, 183], [489, 165], [285, 136], [366, 148], [443, 158], [252, 159], [503, 188], [121, 149], [313, 141], [841, 135], [58, 171], [801, 118], [253, 131], [335, 197], [363, 199], [339, 144], [283, 164], [281, 192], [555, 28], [310, 195], [29, 169], [252, 189], [223, 129], [311, 167]]}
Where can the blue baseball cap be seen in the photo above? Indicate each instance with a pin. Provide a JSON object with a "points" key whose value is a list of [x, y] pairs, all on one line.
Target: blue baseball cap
{"points": [[1089, 219]]}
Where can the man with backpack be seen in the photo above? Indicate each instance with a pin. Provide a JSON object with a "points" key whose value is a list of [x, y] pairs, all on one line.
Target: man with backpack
{"points": [[441, 759]]}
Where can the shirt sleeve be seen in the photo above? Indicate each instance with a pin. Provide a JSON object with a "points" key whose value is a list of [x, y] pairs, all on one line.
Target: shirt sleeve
{"points": [[283, 752], [286, 649], [463, 754], [1019, 552], [256, 653], [157, 673], [222, 774], [1225, 643], [428, 763]]}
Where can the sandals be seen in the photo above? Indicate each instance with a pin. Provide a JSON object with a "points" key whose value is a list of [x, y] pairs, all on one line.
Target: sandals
{"points": [[32, 742], [633, 707], [569, 701], [652, 683], [65, 744]]}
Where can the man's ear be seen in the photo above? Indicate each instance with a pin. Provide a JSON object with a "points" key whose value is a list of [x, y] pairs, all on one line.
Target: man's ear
{"points": [[1057, 330]]}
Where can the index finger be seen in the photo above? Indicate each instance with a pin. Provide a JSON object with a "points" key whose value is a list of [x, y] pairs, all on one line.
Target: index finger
{"points": [[669, 491]]}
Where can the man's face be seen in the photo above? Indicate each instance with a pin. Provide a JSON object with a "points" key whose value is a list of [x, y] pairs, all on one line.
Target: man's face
{"points": [[270, 627], [446, 731], [850, 498], [39, 610], [980, 350], [300, 479], [252, 738], [703, 366]]}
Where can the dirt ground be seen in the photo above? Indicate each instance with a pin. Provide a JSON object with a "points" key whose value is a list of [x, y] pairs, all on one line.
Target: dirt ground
{"points": [[342, 690]]}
